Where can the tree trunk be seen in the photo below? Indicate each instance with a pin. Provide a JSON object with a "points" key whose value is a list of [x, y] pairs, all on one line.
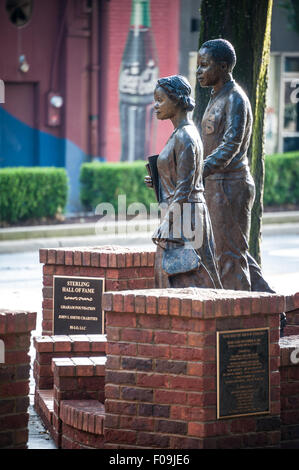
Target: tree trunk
{"points": [[247, 25]]}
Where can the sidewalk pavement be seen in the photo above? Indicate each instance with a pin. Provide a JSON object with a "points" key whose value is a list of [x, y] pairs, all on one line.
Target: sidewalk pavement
{"points": [[39, 437], [21, 239]]}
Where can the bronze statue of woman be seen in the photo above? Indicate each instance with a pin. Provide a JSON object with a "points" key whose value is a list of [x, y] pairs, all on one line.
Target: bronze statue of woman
{"points": [[185, 244]]}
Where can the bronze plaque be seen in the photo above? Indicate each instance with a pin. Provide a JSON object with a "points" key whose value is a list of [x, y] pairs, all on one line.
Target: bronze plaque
{"points": [[243, 380], [77, 305]]}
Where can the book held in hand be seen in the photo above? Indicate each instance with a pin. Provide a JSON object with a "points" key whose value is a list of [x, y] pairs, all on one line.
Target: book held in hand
{"points": [[152, 170]]}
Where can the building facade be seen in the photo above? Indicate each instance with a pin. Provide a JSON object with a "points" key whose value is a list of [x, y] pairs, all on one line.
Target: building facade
{"points": [[60, 62], [282, 114], [79, 77]]}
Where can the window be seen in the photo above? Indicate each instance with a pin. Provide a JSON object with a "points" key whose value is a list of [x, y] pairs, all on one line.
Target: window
{"points": [[289, 100], [282, 112]]}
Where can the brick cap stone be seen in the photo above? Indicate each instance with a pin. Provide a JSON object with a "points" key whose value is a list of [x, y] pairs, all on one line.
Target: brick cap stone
{"points": [[16, 321], [288, 345], [79, 366], [194, 302], [85, 415], [70, 343], [107, 256]]}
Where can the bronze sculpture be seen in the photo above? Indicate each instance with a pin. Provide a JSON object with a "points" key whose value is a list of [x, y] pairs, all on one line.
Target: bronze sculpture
{"points": [[229, 187], [182, 260]]}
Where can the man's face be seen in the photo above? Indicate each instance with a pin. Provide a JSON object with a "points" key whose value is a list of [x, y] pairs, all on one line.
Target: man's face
{"points": [[209, 73]]}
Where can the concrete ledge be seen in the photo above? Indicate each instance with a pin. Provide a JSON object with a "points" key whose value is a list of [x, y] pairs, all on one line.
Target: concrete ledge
{"points": [[121, 227], [193, 302], [67, 230], [17, 246], [281, 217]]}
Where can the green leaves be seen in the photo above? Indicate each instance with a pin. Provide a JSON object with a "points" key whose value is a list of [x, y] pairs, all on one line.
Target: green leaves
{"points": [[281, 179], [104, 182], [32, 193]]}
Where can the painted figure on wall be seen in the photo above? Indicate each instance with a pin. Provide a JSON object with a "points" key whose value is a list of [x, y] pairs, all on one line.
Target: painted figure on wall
{"points": [[137, 79], [185, 246]]}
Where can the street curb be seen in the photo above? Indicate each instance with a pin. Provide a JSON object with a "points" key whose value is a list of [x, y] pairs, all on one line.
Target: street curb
{"points": [[107, 228], [123, 239], [84, 229], [283, 229], [284, 217], [20, 246]]}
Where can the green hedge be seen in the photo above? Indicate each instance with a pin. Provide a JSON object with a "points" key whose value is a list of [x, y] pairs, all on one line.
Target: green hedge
{"points": [[32, 193], [281, 179], [104, 182]]}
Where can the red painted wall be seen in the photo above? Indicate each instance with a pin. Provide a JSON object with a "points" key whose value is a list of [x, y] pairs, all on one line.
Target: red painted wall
{"points": [[36, 40], [58, 59], [165, 27]]}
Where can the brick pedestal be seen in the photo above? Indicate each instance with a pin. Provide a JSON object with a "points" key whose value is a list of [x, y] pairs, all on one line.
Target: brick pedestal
{"points": [[59, 347], [292, 313], [122, 268], [15, 331], [289, 377], [161, 368], [82, 424], [78, 378]]}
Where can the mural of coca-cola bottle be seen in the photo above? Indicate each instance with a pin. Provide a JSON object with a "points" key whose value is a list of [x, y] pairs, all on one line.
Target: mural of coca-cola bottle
{"points": [[137, 80]]}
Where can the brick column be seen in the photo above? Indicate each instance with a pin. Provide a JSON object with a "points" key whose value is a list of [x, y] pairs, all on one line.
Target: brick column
{"points": [[59, 346], [292, 313], [77, 378], [161, 368], [15, 330], [49, 347], [122, 268], [289, 373]]}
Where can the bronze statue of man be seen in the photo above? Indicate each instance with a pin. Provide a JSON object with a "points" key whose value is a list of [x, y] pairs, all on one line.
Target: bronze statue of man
{"points": [[229, 187]]}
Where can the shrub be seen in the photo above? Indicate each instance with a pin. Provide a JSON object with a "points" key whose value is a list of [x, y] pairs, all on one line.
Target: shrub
{"points": [[104, 182], [281, 179], [32, 193]]}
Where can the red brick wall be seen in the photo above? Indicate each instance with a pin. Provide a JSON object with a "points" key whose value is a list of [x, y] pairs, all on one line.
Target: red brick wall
{"points": [[289, 376], [122, 268], [161, 368], [165, 27], [15, 330], [59, 346], [77, 379], [292, 327], [292, 314], [82, 424]]}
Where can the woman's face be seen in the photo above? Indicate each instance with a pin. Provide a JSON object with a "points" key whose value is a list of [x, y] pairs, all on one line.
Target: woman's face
{"points": [[164, 107]]}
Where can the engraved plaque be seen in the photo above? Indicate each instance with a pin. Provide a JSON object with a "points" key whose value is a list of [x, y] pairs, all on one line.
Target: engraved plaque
{"points": [[77, 305], [243, 384]]}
